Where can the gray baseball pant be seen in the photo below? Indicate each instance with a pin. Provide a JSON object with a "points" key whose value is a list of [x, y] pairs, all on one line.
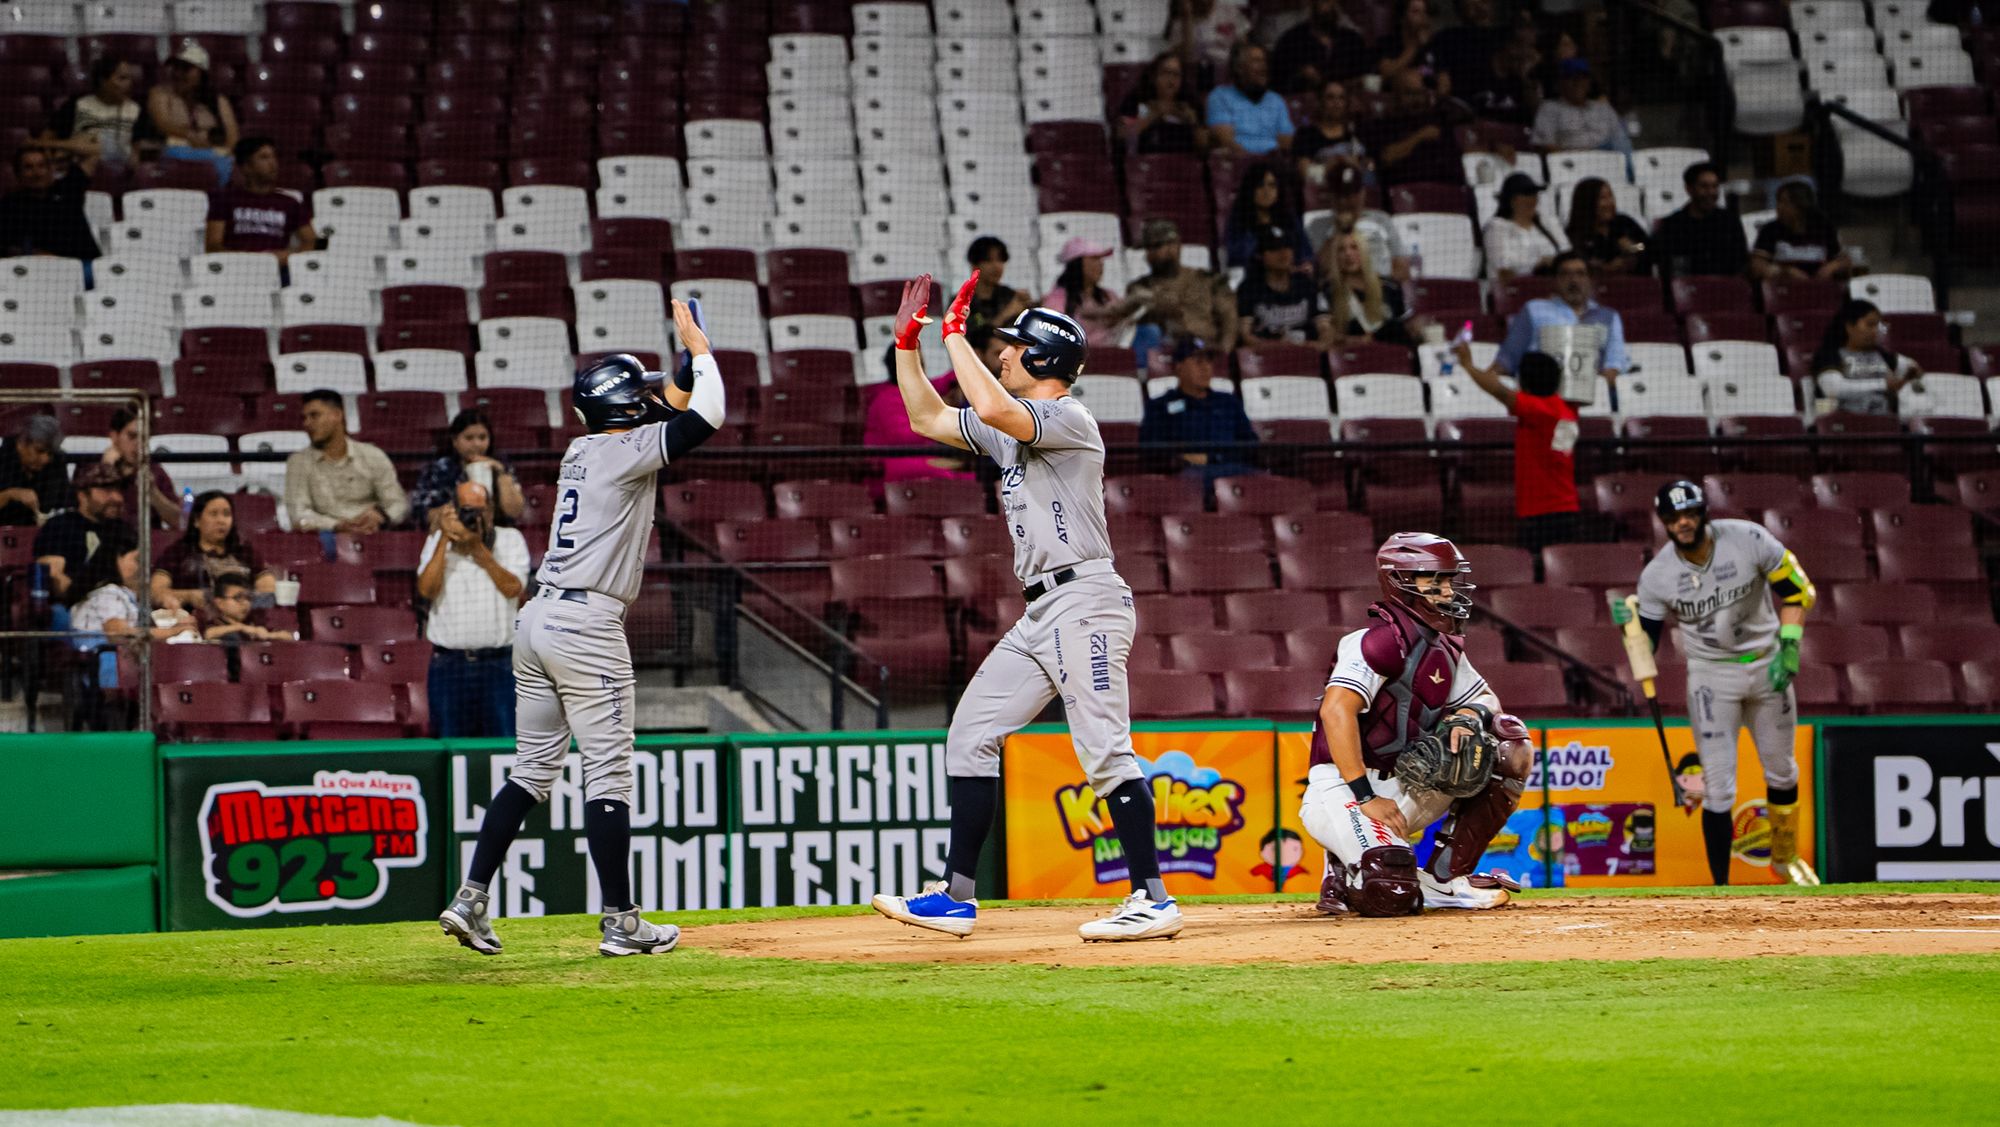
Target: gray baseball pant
{"points": [[1725, 696], [573, 676]]}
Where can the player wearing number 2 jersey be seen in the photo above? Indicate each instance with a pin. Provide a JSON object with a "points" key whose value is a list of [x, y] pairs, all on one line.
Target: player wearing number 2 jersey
{"points": [[572, 667]]}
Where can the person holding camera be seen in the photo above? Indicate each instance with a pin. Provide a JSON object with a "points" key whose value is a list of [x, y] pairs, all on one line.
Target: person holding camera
{"points": [[472, 573]]}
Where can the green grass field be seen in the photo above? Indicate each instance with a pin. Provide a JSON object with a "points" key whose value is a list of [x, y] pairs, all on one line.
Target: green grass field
{"points": [[397, 1021]]}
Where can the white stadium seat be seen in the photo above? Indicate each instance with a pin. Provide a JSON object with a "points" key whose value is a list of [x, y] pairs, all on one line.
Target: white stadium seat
{"points": [[1942, 395], [1895, 293], [1729, 396], [1644, 396], [814, 330], [357, 218], [807, 64], [641, 185], [1456, 397], [298, 306], [133, 304], [1377, 397], [330, 270], [125, 17], [1573, 164], [344, 372], [1658, 359], [1111, 399], [1737, 359], [523, 334], [544, 371], [972, 17], [121, 341], [895, 20], [40, 273], [724, 138], [408, 267], [208, 309], [234, 270], [1446, 240], [1919, 67], [419, 369], [1055, 17], [1812, 15], [31, 343]]}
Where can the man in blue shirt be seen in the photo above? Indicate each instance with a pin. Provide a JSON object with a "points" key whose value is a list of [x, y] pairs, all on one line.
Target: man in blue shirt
{"points": [[1249, 117], [1194, 412], [1597, 345]]}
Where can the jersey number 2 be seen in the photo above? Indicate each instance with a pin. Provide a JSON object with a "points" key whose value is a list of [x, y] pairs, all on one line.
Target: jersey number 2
{"points": [[565, 513]]}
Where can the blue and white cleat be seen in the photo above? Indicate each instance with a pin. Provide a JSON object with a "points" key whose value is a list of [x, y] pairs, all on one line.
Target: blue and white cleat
{"points": [[932, 908], [1139, 916]]}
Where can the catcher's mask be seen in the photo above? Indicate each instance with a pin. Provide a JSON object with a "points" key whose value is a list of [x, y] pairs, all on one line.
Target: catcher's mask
{"points": [[1411, 566]]}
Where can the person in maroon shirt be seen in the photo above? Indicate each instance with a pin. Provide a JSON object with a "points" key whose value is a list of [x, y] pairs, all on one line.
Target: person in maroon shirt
{"points": [[257, 215], [1545, 432]]}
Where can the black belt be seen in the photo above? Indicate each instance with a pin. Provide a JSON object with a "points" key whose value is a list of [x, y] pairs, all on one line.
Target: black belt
{"points": [[495, 653], [1036, 590]]}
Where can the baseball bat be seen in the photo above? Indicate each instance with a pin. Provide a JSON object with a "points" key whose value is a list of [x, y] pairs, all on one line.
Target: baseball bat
{"points": [[1639, 655]]}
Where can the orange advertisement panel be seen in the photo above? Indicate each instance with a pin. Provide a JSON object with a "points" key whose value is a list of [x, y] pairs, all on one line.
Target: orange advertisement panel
{"points": [[1215, 804]]}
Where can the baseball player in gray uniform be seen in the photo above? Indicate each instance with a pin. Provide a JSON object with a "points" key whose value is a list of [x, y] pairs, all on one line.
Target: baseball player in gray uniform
{"points": [[1077, 630], [572, 667], [1720, 582]]}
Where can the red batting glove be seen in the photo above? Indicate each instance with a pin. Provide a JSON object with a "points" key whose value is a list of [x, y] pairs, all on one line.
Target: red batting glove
{"points": [[910, 319], [961, 306]]}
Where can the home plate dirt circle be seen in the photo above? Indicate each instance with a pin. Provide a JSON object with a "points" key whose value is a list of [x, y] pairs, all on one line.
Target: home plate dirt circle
{"points": [[1525, 931]]}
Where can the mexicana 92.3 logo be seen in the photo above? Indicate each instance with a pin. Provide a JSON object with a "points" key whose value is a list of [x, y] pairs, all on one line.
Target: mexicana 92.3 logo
{"points": [[1194, 808], [309, 848]]}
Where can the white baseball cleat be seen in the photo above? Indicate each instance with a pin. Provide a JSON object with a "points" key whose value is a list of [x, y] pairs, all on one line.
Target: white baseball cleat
{"points": [[468, 919], [629, 933], [1474, 892], [1138, 916]]}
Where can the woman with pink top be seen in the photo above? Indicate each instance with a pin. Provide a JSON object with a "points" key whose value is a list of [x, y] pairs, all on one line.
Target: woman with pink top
{"points": [[886, 423]]}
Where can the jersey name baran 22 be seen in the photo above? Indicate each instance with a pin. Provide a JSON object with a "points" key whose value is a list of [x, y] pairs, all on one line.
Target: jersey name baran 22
{"points": [[605, 491], [1051, 487], [1724, 608]]}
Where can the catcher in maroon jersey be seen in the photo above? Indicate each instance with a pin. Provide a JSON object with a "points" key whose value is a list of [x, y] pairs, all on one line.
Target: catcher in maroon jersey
{"points": [[1408, 731]]}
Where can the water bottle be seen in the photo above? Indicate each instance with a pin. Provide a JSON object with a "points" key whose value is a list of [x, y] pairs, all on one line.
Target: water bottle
{"points": [[38, 594], [1416, 260], [1449, 365], [187, 506]]}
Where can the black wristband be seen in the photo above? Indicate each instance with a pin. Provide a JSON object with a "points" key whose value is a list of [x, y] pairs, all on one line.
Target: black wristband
{"points": [[1363, 790]]}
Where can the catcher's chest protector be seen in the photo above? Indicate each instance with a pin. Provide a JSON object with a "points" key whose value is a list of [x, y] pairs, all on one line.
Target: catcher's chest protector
{"points": [[1421, 666]]}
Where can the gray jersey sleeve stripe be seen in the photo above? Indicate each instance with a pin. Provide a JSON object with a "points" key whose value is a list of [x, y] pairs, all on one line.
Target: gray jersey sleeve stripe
{"points": [[1035, 415], [1359, 688], [965, 432], [1478, 686]]}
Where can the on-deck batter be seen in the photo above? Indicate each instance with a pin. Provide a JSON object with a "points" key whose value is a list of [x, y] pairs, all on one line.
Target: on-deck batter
{"points": [[572, 666], [1073, 638]]}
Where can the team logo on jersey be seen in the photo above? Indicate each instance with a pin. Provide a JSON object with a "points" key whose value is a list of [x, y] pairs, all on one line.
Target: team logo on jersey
{"points": [[309, 848], [1194, 809]]}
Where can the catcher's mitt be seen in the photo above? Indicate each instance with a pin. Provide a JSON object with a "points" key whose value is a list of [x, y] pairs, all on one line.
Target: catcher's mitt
{"points": [[1429, 763]]}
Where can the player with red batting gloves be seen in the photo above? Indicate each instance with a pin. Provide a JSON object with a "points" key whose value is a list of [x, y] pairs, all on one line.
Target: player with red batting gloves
{"points": [[1408, 731]]}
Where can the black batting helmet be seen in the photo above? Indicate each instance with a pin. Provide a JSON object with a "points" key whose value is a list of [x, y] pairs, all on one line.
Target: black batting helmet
{"points": [[1677, 497], [1054, 342], [616, 393]]}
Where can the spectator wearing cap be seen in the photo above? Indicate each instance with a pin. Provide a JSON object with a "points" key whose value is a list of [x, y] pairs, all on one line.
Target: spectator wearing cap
{"points": [[1248, 116], [196, 123], [1703, 237], [1176, 301], [993, 303], [43, 215], [32, 482], [1517, 241], [1277, 304], [257, 216], [1260, 205], [1546, 508], [339, 483], [98, 126], [1193, 412], [1323, 48], [1570, 326], [71, 539], [1412, 141], [1080, 290], [1352, 216], [472, 571], [1578, 118]]}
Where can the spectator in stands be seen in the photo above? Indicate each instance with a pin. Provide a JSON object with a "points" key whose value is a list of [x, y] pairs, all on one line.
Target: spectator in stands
{"points": [[1323, 48], [1553, 47], [1157, 116], [1465, 52], [340, 484], [886, 422], [1352, 216], [1248, 116], [472, 571], [1278, 304], [1580, 118], [1854, 367], [43, 215], [1080, 291], [471, 447], [1408, 47], [33, 484], [993, 304], [123, 455], [259, 216], [99, 125], [231, 616], [196, 123], [1259, 206], [1193, 412], [104, 598], [1364, 305], [1322, 147], [1801, 242], [1570, 326], [1703, 237], [1610, 241], [1546, 507], [1517, 241], [1504, 90], [1205, 32], [210, 548], [1412, 140], [1178, 302], [74, 537]]}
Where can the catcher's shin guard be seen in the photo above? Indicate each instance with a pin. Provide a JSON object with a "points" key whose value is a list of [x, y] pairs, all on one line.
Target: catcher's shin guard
{"points": [[1472, 823], [1333, 891], [1785, 859], [1385, 883]]}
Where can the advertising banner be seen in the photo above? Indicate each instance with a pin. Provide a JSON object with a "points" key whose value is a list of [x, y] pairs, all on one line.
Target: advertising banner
{"points": [[1216, 804], [269, 835], [1913, 801], [791, 820]]}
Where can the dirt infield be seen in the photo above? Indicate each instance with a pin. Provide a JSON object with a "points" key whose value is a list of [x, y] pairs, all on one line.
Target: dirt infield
{"points": [[1525, 931]]}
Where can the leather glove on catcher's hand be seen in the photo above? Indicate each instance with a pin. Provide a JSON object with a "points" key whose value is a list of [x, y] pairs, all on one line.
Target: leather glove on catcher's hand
{"points": [[910, 319], [961, 306], [1430, 762], [1784, 666]]}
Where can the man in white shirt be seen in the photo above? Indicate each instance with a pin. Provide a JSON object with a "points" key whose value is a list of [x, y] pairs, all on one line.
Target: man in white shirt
{"points": [[472, 573], [1576, 120]]}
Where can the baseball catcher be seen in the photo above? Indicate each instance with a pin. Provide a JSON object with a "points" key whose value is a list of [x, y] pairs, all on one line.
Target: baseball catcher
{"points": [[1408, 731]]}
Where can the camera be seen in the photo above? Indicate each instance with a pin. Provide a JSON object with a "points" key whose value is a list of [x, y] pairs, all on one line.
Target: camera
{"points": [[471, 516]]}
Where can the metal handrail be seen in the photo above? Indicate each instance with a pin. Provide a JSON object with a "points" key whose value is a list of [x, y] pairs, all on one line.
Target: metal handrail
{"points": [[1930, 192]]}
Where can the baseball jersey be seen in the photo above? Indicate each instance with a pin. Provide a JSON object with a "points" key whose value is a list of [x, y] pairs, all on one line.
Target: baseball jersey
{"points": [[605, 492], [1352, 671], [1724, 608], [1051, 487]]}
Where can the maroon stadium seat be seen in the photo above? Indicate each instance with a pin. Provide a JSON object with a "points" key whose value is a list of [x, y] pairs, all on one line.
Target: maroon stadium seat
{"points": [[100, 374], [1836, 563], [820, 500], [1312, 646], [1546, 607], [213, 710], [1262, 495], [290, 550], [1311, 531], [849, 537], [333, 710], [768, 541], [1811, 296], [1213, 532], [1886, 604], [1591, 565], [1834, 644], [1277, 360], [1319, 567], [979, 536], [1175, 614], [393, 663], [1726, 324], [1370, 357], [1272, 611], [856, 580], [1900, 686], [1219, 651], [1527, 687], [1499, 565], [1277, 694], [274, 663], [1198, 572], [1171, 696], [1861, 490], [1151, 495], [1922, 525], [361, 625], [1980, 682], [980, 579], [173, 664], [934, 497], [1751, 492], [1797, 527], [1703, 293], [330, 584]]}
